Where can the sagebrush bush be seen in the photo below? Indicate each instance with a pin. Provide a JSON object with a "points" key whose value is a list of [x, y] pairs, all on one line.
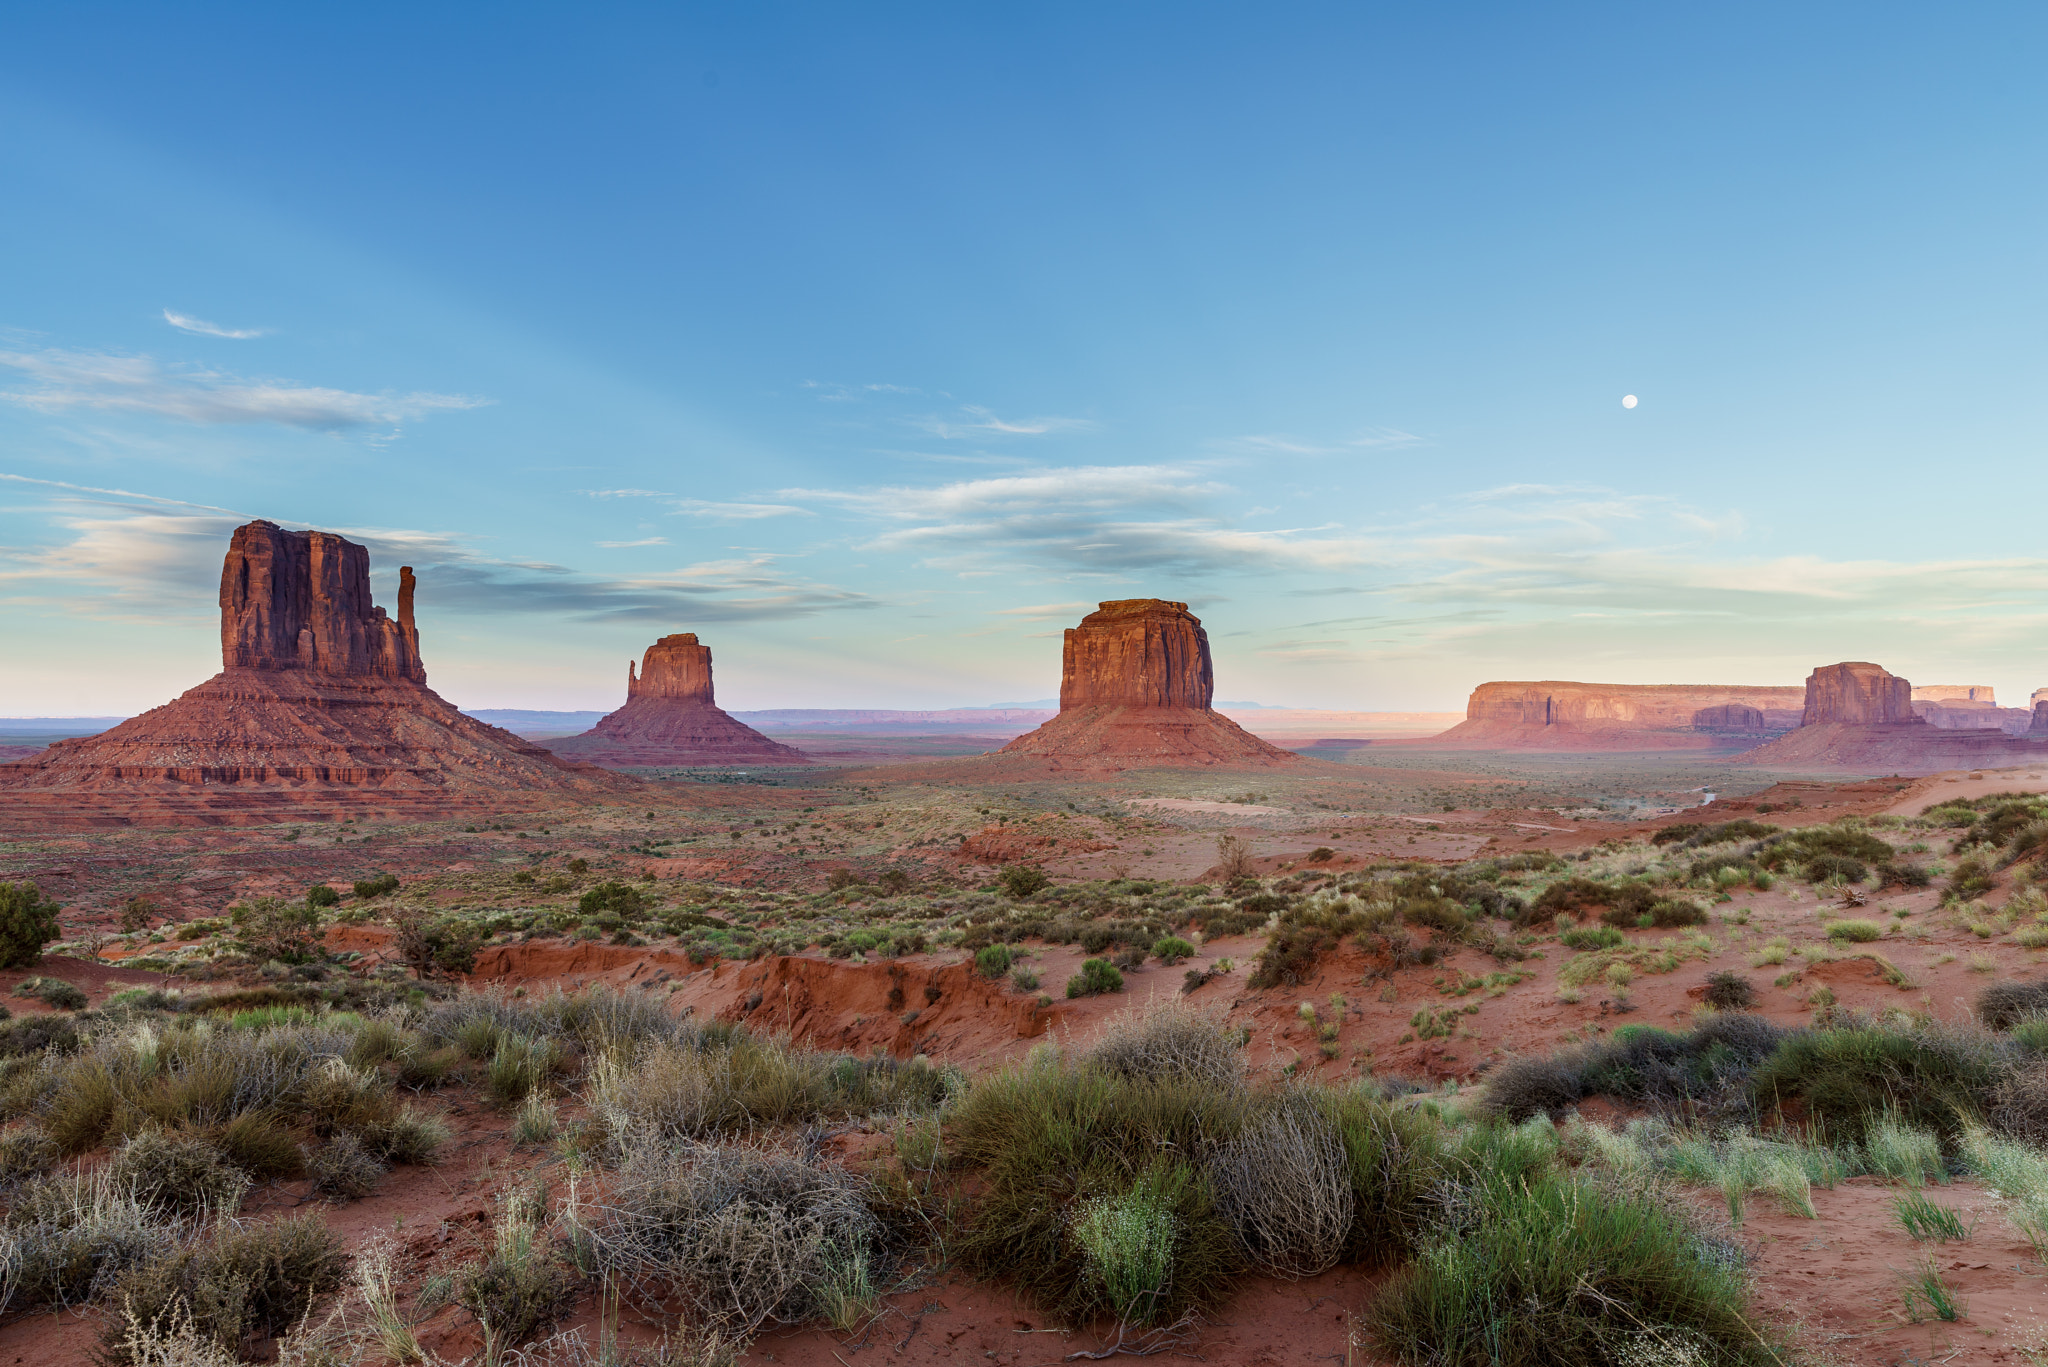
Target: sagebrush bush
{"points": [[69, 1236], [1284, 1185], [239, 1281], [1932, 1077], [613, 897], [745, 1237], [179, 1174], [1168, 1038], [272, 928], [1728, 990], [343, 1169], [1856, 931], [260, 1144], [2001, 1006], [992, 961], [1706, 1071], [1171, 949]]}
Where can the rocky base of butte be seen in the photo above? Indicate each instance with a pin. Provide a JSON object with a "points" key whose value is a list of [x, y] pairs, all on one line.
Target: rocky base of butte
{"points": [[1135, 687], [671, 718]]}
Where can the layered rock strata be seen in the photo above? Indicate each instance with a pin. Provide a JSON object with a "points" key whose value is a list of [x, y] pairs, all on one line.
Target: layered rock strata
{"points": [[671, 718], [1860, 716], [1136, 682], [320, 692], [1562, 715]]}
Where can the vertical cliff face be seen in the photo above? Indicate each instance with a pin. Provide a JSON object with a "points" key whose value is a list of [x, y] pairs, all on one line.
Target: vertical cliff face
{"points": [[301, 601], [1137, 652], [1857, 693], [673, 667]]}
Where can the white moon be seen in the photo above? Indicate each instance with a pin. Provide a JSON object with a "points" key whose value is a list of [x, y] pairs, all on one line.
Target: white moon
{"points": [[1628, 401]]}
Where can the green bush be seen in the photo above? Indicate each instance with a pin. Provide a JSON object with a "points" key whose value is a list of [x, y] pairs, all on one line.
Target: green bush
{"points": [[1842, 1078], [435, 944], [1096, 977], [1668, 913], [1593, 938], [1021, 880], [993, 961], [1171, 949], [1896, 873], [1728, 990], [1822, 867], [54, 991], [1857, 931], [1549, 1270], [272, 928], [379, 885], [320, 895], [619, 899], [28, 921]]}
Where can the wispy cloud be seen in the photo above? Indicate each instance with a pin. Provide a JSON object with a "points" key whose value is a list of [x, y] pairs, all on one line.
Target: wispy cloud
{"points": [[980, 422], [67, 381], [829, 392], [199, 327], [1041, 611], [736, 512], [644, 541]]}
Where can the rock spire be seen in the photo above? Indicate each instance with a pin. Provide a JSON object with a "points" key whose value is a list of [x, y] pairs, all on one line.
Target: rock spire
{"points": [[672, 718]]}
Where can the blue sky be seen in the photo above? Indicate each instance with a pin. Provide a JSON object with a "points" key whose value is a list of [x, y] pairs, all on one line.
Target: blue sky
{"points": [[877, 343]]}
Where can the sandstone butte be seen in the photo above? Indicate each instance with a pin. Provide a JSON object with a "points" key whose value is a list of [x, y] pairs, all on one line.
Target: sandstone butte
{"points": [[1858, 715], [670, 717], [1561, 715], [320, 694], [1136, 682]]}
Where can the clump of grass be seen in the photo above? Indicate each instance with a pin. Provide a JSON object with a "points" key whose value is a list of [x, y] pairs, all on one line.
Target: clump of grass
{"points": [[1548, 1269], [1728, 990], [1922, 1219], [1903, 1153], [68, 1236], [1168, 1038], [1927, 1289], [1128, 1242], [520, 1285], [179, 1174], [1933, 1077], [1024, 979], [1855, 931], [343, 1169], [537, 1121]]}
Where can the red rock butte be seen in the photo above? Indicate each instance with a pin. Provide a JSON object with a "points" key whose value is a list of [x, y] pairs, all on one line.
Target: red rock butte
{"points": [[320, 695], [1861, 716], [1556, 714], [670, 718], [1135, 688]]}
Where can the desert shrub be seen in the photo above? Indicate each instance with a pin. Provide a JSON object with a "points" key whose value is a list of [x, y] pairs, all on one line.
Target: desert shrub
{"points": [[25, 1152], [320, 895], [1024, 979], [1845, 841], [613, 897], [518, 1065], [1167, 1038], [272, 928], [1620, 904], [1668, 913], [695, 1089], [1300, 940], [241, 1281], [68, 1237], [1171, 949], [343, 1169], [1284, 1185], [1128, 1242], [1822, 867], [52, 991], [1021, 880], [1897, 873], [259, 1144], [1708, 1069], [2019, 1103], [1728, 990], [1551, 1270], [435, 944], [28, 921], [378, 885], [993, 961], [1856, 931], [1593, 938], [1932, 1077], [179, 1174], [1097, 976], [27, 1035], [421, 1068], [1694, 835], [2001, 1006], [1973, 877], [741, 1236]]}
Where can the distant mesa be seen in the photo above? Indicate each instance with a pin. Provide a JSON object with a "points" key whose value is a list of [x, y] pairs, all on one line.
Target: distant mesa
{"points": [[1557, 714], [1136, 683], [1969, 707], [319, 692], [670, 718], [1861, 716]]}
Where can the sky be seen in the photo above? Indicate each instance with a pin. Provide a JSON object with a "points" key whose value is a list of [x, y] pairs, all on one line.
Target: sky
{"points": [[876, 344]]}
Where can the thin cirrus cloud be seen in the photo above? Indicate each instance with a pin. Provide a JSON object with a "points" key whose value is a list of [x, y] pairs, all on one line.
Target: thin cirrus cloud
{"points": [[702, 508], [199, 327], [69, 381], [980, 422]]}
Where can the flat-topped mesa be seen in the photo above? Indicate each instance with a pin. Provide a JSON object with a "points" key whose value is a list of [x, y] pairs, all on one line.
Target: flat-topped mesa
{"points": [[1135, 687], [1137, 652], [301, 600], [1558, 714], [670, 718], [1857, 693], [673, 667], [1952, 693], [321, 697]]}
